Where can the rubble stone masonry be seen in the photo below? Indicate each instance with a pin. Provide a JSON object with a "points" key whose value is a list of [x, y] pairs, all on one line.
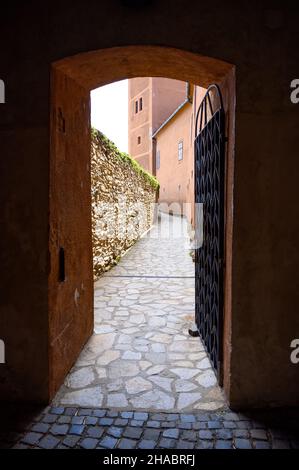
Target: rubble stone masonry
{"points": [[123, 196]]}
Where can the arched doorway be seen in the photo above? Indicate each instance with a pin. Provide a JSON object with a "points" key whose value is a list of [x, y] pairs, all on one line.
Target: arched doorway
{"points": [[70, 278]]}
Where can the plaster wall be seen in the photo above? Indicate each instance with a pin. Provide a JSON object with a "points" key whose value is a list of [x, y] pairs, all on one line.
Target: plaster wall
{"points": [[173, 173], [167, 95], [261, 41]]}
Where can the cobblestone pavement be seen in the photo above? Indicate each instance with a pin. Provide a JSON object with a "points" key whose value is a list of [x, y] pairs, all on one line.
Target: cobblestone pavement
{"points": [[141, 356], [128, 309], [70, 427]]}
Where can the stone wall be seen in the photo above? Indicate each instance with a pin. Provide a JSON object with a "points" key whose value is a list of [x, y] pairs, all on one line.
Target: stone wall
{"points": [[123, 197]]}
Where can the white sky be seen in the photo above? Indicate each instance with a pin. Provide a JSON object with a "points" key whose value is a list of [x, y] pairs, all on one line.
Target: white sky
{"points": [[109, 112]]}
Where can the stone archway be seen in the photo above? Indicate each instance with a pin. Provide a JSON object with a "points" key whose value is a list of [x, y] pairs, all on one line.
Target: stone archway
{"points": [[71, 301]]}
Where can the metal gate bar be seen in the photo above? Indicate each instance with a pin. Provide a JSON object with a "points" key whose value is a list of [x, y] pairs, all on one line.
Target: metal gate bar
{"points": [[209, 167]]}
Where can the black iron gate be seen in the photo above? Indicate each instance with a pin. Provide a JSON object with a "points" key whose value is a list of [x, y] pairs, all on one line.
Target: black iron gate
{"points": [[209, 153]]}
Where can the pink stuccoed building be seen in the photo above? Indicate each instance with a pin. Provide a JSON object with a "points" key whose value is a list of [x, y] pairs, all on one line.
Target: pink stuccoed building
{"points": [[162, 114]]}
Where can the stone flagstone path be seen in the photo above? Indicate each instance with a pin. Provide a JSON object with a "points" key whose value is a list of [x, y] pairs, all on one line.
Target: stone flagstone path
{"points": [[141, 356]]}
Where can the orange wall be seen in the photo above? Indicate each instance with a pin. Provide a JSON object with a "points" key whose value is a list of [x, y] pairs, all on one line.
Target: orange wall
{"points": [[174, 174], [160, 96], [177, 177], [167, 95], [139, 123]]}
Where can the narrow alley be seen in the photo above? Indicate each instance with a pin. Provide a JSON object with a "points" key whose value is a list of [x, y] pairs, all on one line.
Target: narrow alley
{"points": [[141, 356]]}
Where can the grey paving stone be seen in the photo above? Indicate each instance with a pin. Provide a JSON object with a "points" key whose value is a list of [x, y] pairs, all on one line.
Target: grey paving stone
{"points": [[48, 418], [224, 434], [221, 444], [151, 434], [115, 432], [127, 414], [187, 418], [214, 424], [185, 444], [171, 433], [59, 429], [32, 438], [153, 424], [189, 435], [136, 423], [77, 429], [89, 443], [146, 444], [243, 444], [199, 425], [85, 412], [99, 413], [112, 414], [95, 431], [184, 425], [121, 422], [205, 434], [168, 424], [166, 443], [140, 416], [57, 410], [158, 417], [134, 433], [48, 442], [108, 442], [64, 419], [203, 417], [77, 420], [172, 417], [106, 421], [71, 441], [70, 411], [41, 427], [216, 416], [204, 445], [91, 420], [127, 444], [242, 433]]}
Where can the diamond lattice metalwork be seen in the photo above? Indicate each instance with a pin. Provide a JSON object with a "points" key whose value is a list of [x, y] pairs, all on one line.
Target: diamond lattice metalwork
{"points": [[209, 151]]}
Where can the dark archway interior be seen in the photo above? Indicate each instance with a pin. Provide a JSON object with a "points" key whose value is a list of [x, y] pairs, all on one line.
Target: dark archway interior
{"points": [[262, 305]]}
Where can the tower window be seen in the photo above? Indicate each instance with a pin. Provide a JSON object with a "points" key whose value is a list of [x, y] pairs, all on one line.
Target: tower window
{"points": [[180, 150], [136, 107], [139, 140], [140, 104]]}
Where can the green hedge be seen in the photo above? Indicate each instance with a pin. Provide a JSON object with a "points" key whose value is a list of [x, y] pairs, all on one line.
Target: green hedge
{"points": [[124, 157]]}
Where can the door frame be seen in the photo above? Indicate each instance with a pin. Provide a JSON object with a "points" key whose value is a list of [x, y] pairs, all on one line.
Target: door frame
{"points": [[72, 79]]}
